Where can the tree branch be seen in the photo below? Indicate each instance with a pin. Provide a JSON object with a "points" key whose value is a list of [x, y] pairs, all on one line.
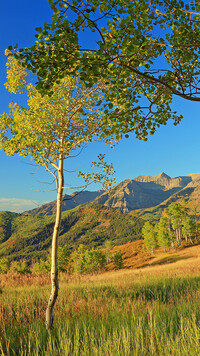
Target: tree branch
{"points": [[53, 174], [159, 81]]}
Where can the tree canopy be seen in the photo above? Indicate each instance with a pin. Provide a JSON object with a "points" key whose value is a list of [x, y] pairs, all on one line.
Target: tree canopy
{"points": [[51, 125], [147, 51], [149, 235], [174, 226]]}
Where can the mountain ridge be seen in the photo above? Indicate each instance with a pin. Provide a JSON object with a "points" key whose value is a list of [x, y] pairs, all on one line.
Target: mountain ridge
{"points": [[142, 192], [69, 202]]}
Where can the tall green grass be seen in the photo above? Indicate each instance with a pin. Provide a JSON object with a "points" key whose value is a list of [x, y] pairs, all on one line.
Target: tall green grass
{"points": [[151, 316]]}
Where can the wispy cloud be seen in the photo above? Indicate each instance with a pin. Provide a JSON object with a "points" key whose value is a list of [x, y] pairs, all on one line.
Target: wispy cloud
{"points": [[17, 205]]}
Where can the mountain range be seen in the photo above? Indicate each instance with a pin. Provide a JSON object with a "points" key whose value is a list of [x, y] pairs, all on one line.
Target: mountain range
{"points": [[142, 192], [94, 217]]}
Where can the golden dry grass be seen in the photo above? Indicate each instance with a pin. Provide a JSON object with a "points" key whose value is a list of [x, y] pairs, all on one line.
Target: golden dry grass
{"points": [[180, 261], [138, 265], [136, 311]]}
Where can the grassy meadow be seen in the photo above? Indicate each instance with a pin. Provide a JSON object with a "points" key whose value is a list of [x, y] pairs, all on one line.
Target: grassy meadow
{"points": [[154, 310]]}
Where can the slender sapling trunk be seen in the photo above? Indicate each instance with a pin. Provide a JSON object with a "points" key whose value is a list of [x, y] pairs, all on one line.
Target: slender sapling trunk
{"points": [[54, 252]]}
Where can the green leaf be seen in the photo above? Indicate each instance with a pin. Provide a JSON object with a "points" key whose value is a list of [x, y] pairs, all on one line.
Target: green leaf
{"points": [[39, 29]]}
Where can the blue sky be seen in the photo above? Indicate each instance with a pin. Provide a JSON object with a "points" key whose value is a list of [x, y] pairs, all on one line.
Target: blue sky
{"points": [[173, 149]]}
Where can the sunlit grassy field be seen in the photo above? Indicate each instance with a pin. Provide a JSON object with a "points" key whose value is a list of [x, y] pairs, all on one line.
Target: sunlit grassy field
{"points": [[149, 311]]}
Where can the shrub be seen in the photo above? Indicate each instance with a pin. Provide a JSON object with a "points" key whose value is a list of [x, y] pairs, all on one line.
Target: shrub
{"points": [[4, 265], [63, 259], [88, 261], [20, 267], [118, 260], [42, 266]]}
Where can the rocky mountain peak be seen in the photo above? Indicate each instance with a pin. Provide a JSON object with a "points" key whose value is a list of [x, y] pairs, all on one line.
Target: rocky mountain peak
{"points": [[160, 178], [132, 194], [163, 176]]}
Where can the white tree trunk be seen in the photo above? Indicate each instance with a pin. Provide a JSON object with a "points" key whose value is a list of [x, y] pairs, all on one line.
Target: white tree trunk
{"points": [[54, 251]]}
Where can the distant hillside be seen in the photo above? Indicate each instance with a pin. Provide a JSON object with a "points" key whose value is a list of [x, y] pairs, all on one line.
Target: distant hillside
{"points": [[29, 237], [143, 192], [69, 202]]}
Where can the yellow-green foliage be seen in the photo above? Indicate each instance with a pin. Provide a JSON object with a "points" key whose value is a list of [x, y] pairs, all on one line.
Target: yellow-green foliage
{"points": [[16, 75], [4, 265]]}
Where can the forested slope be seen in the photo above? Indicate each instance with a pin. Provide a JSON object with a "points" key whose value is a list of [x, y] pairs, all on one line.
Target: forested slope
{"points": [[29, 237]]}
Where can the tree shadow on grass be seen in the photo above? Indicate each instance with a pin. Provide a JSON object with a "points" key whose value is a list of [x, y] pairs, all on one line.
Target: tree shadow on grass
{"points": [[162, 261], [168, 259]]}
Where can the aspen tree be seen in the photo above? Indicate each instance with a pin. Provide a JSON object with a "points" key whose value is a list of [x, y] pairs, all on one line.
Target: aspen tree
{"points": [[48, 130]]}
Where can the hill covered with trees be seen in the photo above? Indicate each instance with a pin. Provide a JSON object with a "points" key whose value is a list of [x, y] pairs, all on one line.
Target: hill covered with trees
{"points": [[29, 237]]}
